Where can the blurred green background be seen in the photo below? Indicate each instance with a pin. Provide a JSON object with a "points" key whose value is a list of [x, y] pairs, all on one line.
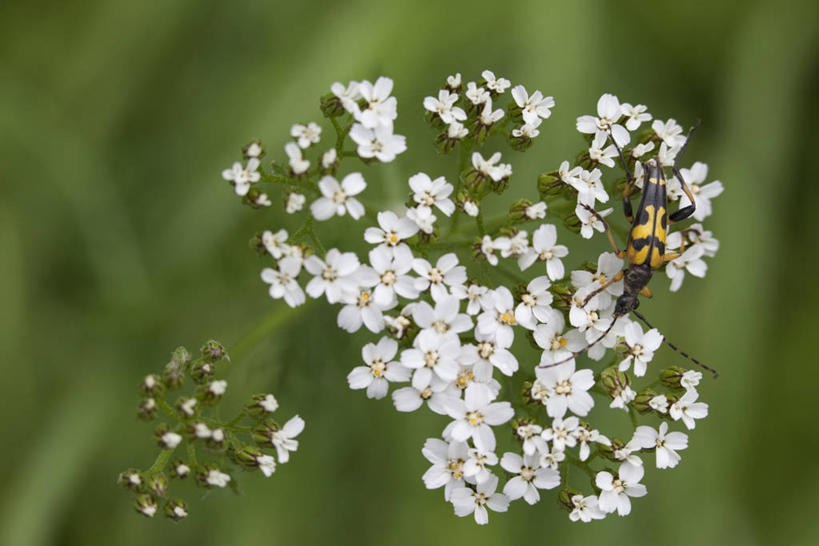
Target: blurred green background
{"points": [[119, 242]]}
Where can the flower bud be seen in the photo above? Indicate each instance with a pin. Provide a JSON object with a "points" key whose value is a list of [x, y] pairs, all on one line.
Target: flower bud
{"points": [[613, 380], [202, 371], [257, 244], [608, 451], [475, 181], [147, 409], [176, 509], [263, 432], [212, 392], [180, 359], [256, 198], [187, 407], [216, 441], [157, 485], [180, 470], [247, 456], [132, 479], [642, 402], [253, 149], [213, 351], [145, 505], [166, 438], [550, 184], [520, 141], [152, 386], [173, 379], [261, 404], [672, 377], [564, 498], [331, 106]]}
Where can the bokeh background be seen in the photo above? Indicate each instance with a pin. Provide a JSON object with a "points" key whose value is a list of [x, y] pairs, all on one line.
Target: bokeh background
{"points": [[119, 242]]}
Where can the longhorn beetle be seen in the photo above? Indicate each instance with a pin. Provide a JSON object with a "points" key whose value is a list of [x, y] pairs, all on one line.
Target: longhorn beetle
{"points": [[645, 249]]}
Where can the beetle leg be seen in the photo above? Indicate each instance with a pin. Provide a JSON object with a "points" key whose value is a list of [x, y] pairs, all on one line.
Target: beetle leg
{"points": [[614, 279], [688, 210], [617, 251], [646, 291], [629, 181]]}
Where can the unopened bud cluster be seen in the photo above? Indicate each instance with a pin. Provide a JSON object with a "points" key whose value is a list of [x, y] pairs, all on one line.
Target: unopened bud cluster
{"points": [[194, 443], [447, 300]]}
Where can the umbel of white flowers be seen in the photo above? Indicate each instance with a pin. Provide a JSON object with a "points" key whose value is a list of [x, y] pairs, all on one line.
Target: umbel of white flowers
{"points": [[439, 315]]}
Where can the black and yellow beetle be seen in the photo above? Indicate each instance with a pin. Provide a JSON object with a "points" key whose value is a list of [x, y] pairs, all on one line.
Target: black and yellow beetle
{"points": [[645, 249]]}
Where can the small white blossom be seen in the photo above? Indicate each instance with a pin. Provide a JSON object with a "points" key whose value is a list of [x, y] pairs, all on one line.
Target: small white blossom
{"points": [[447, 470], [333, 275], [498, 85], [616, 491], [381, 109], [476, 95], [623, 398], [391, 231], [703, 193], [267, 464], [297, 163], [466, 501], [641, 348], [295, 202], [533, 107], [490, 168], [666, 444], [274, 243], [585, 509], [243, 177], [217, 387], [545, 249], [670, 132], [283, 440], [636, 115], [536, 211], [379, 142], [269, 403], [171, 439], [608, 114], [659, 403], [475, 415], [379, 370], [306, 134], [528, 477], [329, 158], [283, 283], [444, 106], [217, 478], [429, 193], [688, 409], [562, 433], [423, 218], [589, 222], [568, 389], [337, 199], [475, 468], [445, 273]]}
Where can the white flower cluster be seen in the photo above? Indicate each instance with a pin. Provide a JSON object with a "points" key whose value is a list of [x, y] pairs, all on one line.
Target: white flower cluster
{"points": [[446, 329]]}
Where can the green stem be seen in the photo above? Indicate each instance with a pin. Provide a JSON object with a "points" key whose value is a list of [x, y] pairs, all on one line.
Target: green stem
{"points": [[160, 462], [273, 320]]}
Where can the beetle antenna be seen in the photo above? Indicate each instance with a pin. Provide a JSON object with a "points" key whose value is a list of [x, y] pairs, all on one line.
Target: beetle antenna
{"points": [[677, 349], [584, 349]]}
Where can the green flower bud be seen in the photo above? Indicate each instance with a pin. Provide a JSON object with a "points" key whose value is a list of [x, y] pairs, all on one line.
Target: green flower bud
{"points": [[256, 198], [613, 380], [147, 409], [263, 432], [132, 479], [517, 212], [157, 485], [331, 106], [672, 377], [608, 451], [216, 441], [550, 184], [261, 404], [152, 386], [476, 181], [179, 360], [176, 509], [564, 498], [202, 371], [521, 142], [640, 403], [213, 351], [247, 456], [173, 379], [145, 505]]}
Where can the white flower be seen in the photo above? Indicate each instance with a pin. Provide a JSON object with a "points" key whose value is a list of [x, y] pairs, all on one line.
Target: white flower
{"points": [[261, 200], [447, 470], [562, 433], [171, 439], [297, 163], [454, 80], [333, 275], [475, 415], [586, 435], [361, 309], [466, 501], [446, 272], [432, 355], [585, 509], [498, 85], [253, 149], [472, 293], [269, 403], [390, 267], [338, 198], [608, 265], [598, 153], [475, 468], [703, 193], [535, 303], [489, 246], [456, 130], [431, 193], [295, 202], [551, 459], [217, 479], [616, 491], [381, 108], [688, 409], [527, 130], [589, 187], [379, 143], [243, 177], [670, 132], [217, 387], [690, 379], [490, 168], [423, 218], [488, 116], [536, 211], [556, 344], [379, 370], [518, 245], [529, 477], [275, 244], [267, 464], [306, 134], [639, 151], [348, 96], [476, 95], [392, 229], [283, 440], [636, 115], [569, 176], [589, 222], [666, 444], [532, 107], [659, 403], [488, 353], [568, 389], [623, 398], [641, 348], [436, 395], [545, 249], [499, 317], [283, 281], [529, 435], [444, 106], [471, 207], [443, 318], [690, 261], [188, 406], [609, 113], [329, 158]]}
